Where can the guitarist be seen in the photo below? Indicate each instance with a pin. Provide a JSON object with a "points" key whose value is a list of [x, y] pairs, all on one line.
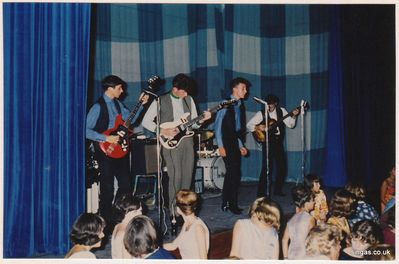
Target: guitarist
{"points": [[180, 160], [276, 139], [100, 118]]}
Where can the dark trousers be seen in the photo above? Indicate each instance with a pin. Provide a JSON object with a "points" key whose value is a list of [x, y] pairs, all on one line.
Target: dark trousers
{"points": [[277, 155], [110, 168], [232, 178]]}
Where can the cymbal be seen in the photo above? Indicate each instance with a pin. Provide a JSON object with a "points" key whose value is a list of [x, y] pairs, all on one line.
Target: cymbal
{"points": [[205, 134]]}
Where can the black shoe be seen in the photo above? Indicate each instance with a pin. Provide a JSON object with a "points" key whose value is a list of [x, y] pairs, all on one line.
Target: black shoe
{"points": [[225, 207]]}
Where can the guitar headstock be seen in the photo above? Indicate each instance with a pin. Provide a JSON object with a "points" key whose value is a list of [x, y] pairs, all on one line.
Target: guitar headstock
{"points": [[227, 103], [154, 82], [305, 105]]}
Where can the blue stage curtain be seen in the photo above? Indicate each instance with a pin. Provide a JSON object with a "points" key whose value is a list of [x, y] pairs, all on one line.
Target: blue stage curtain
{"points": [[335, 172], [46, 52]]}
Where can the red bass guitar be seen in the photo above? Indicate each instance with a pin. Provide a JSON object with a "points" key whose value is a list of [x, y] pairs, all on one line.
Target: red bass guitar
{"points": [[121, 127]]}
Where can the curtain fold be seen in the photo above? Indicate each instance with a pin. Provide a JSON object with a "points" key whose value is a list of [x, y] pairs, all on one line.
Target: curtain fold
{"points": [[46, 52]]}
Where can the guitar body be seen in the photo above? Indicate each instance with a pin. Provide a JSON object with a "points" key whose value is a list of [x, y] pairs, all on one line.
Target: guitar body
{"points": [[259, 133], [120, 149], [173, 142]]}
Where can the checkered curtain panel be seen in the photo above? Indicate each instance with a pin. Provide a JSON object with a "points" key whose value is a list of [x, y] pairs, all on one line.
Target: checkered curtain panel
{"points": [[280, 49]]}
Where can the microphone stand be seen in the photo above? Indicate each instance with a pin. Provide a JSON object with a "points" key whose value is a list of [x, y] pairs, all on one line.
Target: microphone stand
{"points": [[302, 140], [267, 150]]}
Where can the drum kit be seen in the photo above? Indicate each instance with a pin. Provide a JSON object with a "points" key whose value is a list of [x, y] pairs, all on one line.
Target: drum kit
{"points": [[210, 160]]}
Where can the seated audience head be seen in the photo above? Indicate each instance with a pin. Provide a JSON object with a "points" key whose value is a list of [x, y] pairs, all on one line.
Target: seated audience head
{"points": [[187, 202], [323, 240], [312, 181], [266, 211], [125, 204], [365, 234], [358, 190], [303, 197], [88, 230], [141, 237], [343, 204], [380, 252]]}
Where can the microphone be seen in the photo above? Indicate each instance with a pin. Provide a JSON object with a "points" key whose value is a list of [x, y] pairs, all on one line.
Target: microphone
{"points": [[258, 100]]}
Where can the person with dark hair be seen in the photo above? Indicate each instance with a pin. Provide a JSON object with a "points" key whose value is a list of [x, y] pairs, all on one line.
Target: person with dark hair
{"points": [[299, 225], [388, 225], [173, 105], [87, 232], [320, 210], [364, 210], [193, 239], [127, 206], [141, 240], [276, 139], [387, 190], [101, 117], [229, 132], [365, 233], [342, 206]]}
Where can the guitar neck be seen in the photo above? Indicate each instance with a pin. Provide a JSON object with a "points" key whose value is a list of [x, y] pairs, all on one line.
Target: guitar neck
{"points": [[200, 117], [136, 108], [283, 118]]}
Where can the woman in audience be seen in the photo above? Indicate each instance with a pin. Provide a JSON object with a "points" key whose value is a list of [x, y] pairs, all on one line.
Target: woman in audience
{"points": [[257, 237], [388, 188], [141, 240], [320, 201], [365, 233], [193, 239], [87, 232], [342, 206], [323, 242], [364, 211], [127, 207], [299, 225]]}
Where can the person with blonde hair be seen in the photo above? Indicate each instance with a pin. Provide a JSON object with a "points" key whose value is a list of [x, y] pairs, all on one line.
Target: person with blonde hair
{"points": [[299, 225], [257, 237], [323, 242], [193, 239]]}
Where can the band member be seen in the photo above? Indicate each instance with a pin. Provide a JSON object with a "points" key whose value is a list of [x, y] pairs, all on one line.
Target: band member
{"points": [[180, 160], [229, 131], [276, 139], [101, 117]]}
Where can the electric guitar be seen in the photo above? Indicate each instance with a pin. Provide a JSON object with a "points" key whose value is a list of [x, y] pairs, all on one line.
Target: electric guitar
{"points": [[184, 124], [121, 127], [259, 133]]}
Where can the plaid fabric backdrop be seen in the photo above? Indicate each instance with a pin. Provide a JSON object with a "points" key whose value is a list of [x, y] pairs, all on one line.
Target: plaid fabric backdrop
{"points": [[280, 49]]}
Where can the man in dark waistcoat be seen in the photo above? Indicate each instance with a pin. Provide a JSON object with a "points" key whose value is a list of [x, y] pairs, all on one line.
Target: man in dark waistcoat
{"points": [[276, 147], [229, 131], [101, 117]]}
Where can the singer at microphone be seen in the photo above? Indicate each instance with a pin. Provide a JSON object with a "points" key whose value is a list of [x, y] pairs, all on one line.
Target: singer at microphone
{"points": [[279, 118]]}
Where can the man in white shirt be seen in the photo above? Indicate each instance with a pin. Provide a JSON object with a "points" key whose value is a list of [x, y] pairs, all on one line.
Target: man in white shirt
{"points": [[180, 160], [280, 117]]}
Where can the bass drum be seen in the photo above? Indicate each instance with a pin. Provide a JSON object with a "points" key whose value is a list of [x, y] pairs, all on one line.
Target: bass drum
{"points": [[214, 172]]}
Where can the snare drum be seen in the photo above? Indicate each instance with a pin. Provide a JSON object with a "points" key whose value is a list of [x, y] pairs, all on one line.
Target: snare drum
{"points": [[214, 171]]}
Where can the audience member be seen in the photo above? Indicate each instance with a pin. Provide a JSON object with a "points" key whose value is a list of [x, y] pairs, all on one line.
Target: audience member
{"points": [[87, 232], [365, 233], [320, 201], [388, 226], [127, 207], [388, 188], [299, 225], [380, 252], [141, 240], [257, 237], [364, 211], [323, 242], [342, 206], [193, 239]]}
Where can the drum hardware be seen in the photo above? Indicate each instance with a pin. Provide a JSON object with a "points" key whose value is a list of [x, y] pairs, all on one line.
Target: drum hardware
{"points": [[214, 171], [205, 134]]}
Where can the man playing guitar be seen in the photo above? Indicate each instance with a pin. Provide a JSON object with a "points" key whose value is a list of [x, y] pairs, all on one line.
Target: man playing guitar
{"points": [[174, 105], [282, 119], [101, 117]]}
